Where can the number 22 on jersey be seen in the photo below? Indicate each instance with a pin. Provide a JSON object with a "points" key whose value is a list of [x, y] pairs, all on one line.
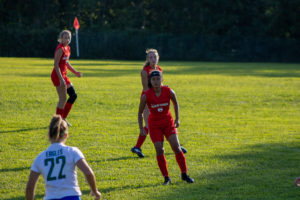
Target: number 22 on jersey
{"points": [[59, 161]]}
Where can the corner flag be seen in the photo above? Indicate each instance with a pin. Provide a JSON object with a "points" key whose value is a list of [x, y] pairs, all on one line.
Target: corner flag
{"points": [[76, 26]]}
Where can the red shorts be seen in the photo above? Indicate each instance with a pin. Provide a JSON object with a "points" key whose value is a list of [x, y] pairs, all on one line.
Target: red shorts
{"points": [[157, 133], [55, 79]]}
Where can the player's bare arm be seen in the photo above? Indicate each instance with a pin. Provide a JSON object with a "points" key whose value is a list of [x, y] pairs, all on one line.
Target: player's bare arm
{"points": [[73, 70], [31, 185], [144, 78], [140, 114], [90, 177], [57, 57], [176, 108]]}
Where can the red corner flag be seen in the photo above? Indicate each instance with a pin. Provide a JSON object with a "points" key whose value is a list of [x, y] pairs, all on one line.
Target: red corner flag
{"points": [[76, 23]]}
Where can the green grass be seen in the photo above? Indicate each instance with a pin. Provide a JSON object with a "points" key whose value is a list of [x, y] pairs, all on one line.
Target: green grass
{"points": [[239, 121]]}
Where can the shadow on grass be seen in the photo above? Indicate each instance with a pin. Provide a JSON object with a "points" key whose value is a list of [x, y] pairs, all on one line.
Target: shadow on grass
{"points": [[133, 157], [263, 171], [38, 196], [14, 169], [111, 189], [23, 130], [193, 68]]}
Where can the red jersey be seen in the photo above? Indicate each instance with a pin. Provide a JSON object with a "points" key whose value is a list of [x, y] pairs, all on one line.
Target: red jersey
{"points": [[149, 69], [64, 58], [159, 106]]}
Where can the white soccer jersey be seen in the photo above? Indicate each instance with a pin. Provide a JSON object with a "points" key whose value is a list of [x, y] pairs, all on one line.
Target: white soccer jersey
{"points": [[57, 165]]}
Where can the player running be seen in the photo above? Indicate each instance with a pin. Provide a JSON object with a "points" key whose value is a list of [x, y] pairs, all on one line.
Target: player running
{"points": [[57, 166], [59, 75], [151, 64], [161, 123]]}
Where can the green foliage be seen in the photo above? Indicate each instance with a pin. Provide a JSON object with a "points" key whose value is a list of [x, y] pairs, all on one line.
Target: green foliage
{"points": [[264, 30], [239, 122]]}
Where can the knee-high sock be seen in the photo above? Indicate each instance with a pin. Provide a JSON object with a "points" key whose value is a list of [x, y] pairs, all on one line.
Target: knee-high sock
{"points": [[162, 163], [141, 139], [67, 109], [59, 111], [180, 158]]}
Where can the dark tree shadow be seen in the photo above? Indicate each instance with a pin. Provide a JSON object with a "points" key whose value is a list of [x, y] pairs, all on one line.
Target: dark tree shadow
{"points": [[133, 157], [262, 171], [200, 68], [23, 130], [38, 196], [14, 169]]}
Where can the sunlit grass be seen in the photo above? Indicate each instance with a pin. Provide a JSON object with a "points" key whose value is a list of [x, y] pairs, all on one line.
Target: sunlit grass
{"points": [[239, 122]]}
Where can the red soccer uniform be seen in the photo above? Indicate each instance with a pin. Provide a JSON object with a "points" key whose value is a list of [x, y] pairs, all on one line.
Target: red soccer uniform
{"points": [[63, 64], [160, 120], [149, 69]]}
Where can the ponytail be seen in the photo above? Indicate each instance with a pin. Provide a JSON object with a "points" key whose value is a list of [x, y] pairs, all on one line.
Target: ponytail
{"points": [[57, 128]]}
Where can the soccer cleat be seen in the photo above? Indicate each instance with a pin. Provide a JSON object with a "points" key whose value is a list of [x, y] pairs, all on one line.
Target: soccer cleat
{"points": [[167, 180], [183, 150], [186, 178], [138, 151], [67, 122]]}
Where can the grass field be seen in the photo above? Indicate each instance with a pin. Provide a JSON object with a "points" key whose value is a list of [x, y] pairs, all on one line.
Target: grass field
{"points": [[239, 121]]}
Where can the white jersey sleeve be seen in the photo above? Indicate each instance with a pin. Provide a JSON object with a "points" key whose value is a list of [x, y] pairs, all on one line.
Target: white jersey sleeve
{"points": [[78, 155], [35, 165]]}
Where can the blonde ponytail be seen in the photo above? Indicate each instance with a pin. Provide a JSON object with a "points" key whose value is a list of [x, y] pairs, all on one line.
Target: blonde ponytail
{"points": [[57, 128]]}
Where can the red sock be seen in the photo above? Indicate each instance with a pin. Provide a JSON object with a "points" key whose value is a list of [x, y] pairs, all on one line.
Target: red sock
{"points": [[141, 139], [67, 109], [162, 163], [181, 162], [59, 111]]}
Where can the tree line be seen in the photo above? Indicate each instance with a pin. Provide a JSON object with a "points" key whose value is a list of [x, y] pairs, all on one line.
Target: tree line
{"points": [[233, 30]]}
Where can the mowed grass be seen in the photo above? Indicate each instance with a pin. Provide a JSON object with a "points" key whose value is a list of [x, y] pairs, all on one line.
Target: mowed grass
{"points": [[239, 121]]}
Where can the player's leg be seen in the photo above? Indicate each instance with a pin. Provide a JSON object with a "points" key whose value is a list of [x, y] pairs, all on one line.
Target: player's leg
{"points": [[161, 161], [141, 139], [180, 158], [72, 97], [62, 96], [157, 138]]}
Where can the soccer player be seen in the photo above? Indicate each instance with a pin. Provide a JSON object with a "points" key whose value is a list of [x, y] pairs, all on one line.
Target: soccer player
{"points": [[151, 64], [161, 123], [59, 75], [57, 166]]}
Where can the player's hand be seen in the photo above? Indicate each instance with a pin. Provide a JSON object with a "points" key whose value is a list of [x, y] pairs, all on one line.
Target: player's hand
{"points": [[176, 123], [96, 195], [78, 74], [143, 132], [297, 181], [63, 83]]}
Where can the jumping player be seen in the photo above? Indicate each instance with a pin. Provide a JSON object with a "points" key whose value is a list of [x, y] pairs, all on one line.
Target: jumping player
{"points": [[151, 64], [59, 75], [161, 123], [57, 166]]}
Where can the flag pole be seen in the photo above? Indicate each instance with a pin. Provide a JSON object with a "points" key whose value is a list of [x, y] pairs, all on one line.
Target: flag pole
{"points": [[77, 44]]}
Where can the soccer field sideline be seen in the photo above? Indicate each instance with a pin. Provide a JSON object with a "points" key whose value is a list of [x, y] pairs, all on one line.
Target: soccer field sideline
{"points": [[239, 121]]}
